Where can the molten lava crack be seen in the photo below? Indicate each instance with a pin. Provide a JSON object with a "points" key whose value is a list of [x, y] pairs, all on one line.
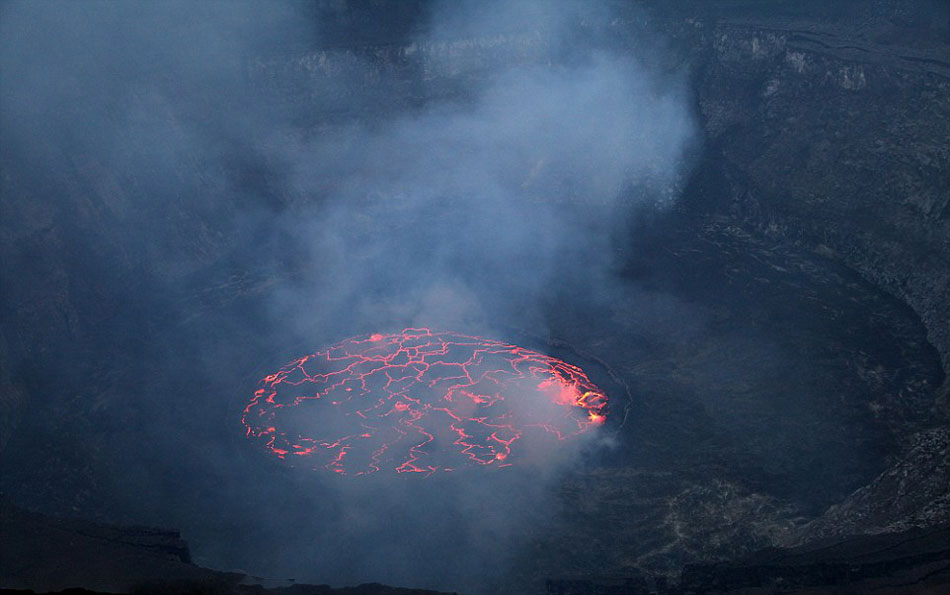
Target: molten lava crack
{"points": [[420, 401]]}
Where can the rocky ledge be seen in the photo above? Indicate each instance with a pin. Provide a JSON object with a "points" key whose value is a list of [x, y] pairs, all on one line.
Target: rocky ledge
{"points": [[41, 554]]}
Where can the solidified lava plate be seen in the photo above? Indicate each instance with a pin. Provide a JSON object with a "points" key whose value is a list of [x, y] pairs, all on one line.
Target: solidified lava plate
{"points": [[420, 401]]}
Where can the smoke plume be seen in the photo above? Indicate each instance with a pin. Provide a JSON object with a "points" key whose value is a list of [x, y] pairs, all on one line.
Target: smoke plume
{"points": [[242, 188]]}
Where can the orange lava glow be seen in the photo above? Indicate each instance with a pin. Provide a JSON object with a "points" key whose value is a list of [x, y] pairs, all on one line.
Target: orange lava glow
{"points": [[419, 401]]}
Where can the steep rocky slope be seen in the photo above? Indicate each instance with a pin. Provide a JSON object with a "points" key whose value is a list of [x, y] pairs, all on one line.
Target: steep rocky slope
{"points": [[836, 143]]}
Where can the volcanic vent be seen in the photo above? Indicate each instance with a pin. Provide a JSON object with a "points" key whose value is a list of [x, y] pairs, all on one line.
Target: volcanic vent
{"points": [[420, 401]]}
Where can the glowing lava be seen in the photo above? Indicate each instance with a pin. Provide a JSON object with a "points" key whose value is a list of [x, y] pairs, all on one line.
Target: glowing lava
{"points": [[420, 401]]}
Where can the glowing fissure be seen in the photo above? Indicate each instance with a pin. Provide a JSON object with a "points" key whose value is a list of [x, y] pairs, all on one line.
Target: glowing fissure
{"points": [[420, 401]]}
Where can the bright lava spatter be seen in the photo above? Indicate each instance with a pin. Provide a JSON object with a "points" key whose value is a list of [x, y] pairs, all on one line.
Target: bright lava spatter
{"points": [[420, 401]]}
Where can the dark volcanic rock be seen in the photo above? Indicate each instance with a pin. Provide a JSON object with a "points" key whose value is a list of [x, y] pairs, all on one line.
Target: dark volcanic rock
{"points": [[39, 553], [911, 493], [830, 135], [46, 553], [833, 137], [914, 561]]}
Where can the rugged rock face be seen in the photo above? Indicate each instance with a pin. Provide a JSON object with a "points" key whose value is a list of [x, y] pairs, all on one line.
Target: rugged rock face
{"points": [[835, 144], [49, 554], [40, 554], [911, 562], [911, 493]]}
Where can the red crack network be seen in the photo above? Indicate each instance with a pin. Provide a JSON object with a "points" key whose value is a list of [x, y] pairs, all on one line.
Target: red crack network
{"points": [[420, 401]]}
